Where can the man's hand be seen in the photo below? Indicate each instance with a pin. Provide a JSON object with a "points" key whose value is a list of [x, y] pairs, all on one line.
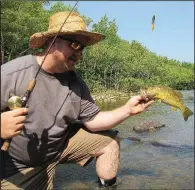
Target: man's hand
{"points": [[138, 104], [12, 122]]}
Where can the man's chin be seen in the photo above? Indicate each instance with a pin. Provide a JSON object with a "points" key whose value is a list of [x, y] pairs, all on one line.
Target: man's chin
{"points": [[69, 67], [72, 63]]}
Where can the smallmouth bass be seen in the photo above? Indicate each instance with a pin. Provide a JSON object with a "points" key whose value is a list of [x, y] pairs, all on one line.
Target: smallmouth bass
{"points": [[168, 96]]}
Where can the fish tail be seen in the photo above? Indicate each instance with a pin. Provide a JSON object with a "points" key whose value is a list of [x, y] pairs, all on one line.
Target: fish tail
{"points": [[186, 113]]}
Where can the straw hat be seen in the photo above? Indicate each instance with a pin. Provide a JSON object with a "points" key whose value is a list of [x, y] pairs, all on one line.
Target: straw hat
{"points": [[74, 25]]}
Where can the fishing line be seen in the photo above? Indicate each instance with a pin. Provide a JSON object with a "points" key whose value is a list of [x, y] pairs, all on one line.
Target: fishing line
{"points": [[18, 102]]}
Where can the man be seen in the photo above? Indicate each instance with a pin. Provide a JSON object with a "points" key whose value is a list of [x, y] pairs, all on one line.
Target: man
{"points": [[59, 98]]}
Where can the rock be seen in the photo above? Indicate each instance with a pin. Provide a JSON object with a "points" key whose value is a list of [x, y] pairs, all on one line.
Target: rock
{"points": [[133, 138], [148, 126]]}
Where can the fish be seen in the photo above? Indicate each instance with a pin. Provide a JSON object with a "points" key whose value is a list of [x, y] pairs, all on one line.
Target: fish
{"points": [[168, 96]]}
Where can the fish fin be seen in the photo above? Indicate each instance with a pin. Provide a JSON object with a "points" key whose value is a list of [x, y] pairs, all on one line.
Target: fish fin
{"points": [[173, 108], [186, 113], [179, 94]]}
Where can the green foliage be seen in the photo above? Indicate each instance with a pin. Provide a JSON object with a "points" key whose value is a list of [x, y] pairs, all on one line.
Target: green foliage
{"points": [[19, 19], [118, 64], [108, 28], [113, 64]]}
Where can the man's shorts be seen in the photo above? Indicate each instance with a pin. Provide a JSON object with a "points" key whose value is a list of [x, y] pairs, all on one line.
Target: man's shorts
{"points": [[80, 149]]}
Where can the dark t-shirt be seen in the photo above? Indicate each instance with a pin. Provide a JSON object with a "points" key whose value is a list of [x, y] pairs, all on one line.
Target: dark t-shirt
{"points": [[56, 101]]}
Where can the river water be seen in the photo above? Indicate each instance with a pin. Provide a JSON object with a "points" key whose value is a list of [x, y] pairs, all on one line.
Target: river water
{"points": [[167, 164]]}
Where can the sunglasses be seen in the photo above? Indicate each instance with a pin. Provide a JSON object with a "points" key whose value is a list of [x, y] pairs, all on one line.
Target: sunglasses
{"points": [[74, 44]]}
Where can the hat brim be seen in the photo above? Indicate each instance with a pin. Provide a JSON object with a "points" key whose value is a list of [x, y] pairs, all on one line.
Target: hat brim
{"points": [[37, 40]]}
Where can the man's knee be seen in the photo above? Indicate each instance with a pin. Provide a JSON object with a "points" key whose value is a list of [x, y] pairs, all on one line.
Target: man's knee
{"points": [[118, 139], [114, 145]]}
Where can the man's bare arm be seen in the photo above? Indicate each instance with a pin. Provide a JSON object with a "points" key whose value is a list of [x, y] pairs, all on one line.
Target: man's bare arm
{"points": [[109, 119]]}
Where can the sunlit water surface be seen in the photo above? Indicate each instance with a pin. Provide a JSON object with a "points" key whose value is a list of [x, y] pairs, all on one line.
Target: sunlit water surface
{"points": [[166, 165]]}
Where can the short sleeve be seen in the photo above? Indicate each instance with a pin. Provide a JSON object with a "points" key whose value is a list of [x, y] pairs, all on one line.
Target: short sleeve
{"points": [[5, 89], [89, 109]]}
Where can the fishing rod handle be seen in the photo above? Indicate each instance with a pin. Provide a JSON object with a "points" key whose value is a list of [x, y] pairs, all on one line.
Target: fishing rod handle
{"points": [[26, 96], [16, 102], [6, 144]]}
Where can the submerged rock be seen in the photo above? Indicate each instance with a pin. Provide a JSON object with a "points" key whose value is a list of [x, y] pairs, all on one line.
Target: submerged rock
{"points": [[148, 126], [133, 138]]}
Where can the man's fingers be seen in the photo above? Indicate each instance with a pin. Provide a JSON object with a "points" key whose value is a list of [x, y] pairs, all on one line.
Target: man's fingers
{"points": [[148, 97], [149, 103], [19, 129], [20, 126], [20, 119], [17, 132], [19, 112]]}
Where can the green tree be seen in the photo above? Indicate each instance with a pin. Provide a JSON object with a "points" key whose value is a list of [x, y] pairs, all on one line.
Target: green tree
{"points": [[19, 19], [113, 63]]}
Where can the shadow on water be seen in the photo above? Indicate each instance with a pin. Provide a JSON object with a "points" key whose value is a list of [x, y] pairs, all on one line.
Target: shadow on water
{"points": [[162, 159]]}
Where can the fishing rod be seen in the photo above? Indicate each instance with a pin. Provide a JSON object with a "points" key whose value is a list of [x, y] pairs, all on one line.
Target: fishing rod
{"points": [[16, 102]]}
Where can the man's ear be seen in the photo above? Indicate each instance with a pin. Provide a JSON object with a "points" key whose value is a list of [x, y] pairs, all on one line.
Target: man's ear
{"points": [[56, 44], [47, 44], [52, 44]]}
